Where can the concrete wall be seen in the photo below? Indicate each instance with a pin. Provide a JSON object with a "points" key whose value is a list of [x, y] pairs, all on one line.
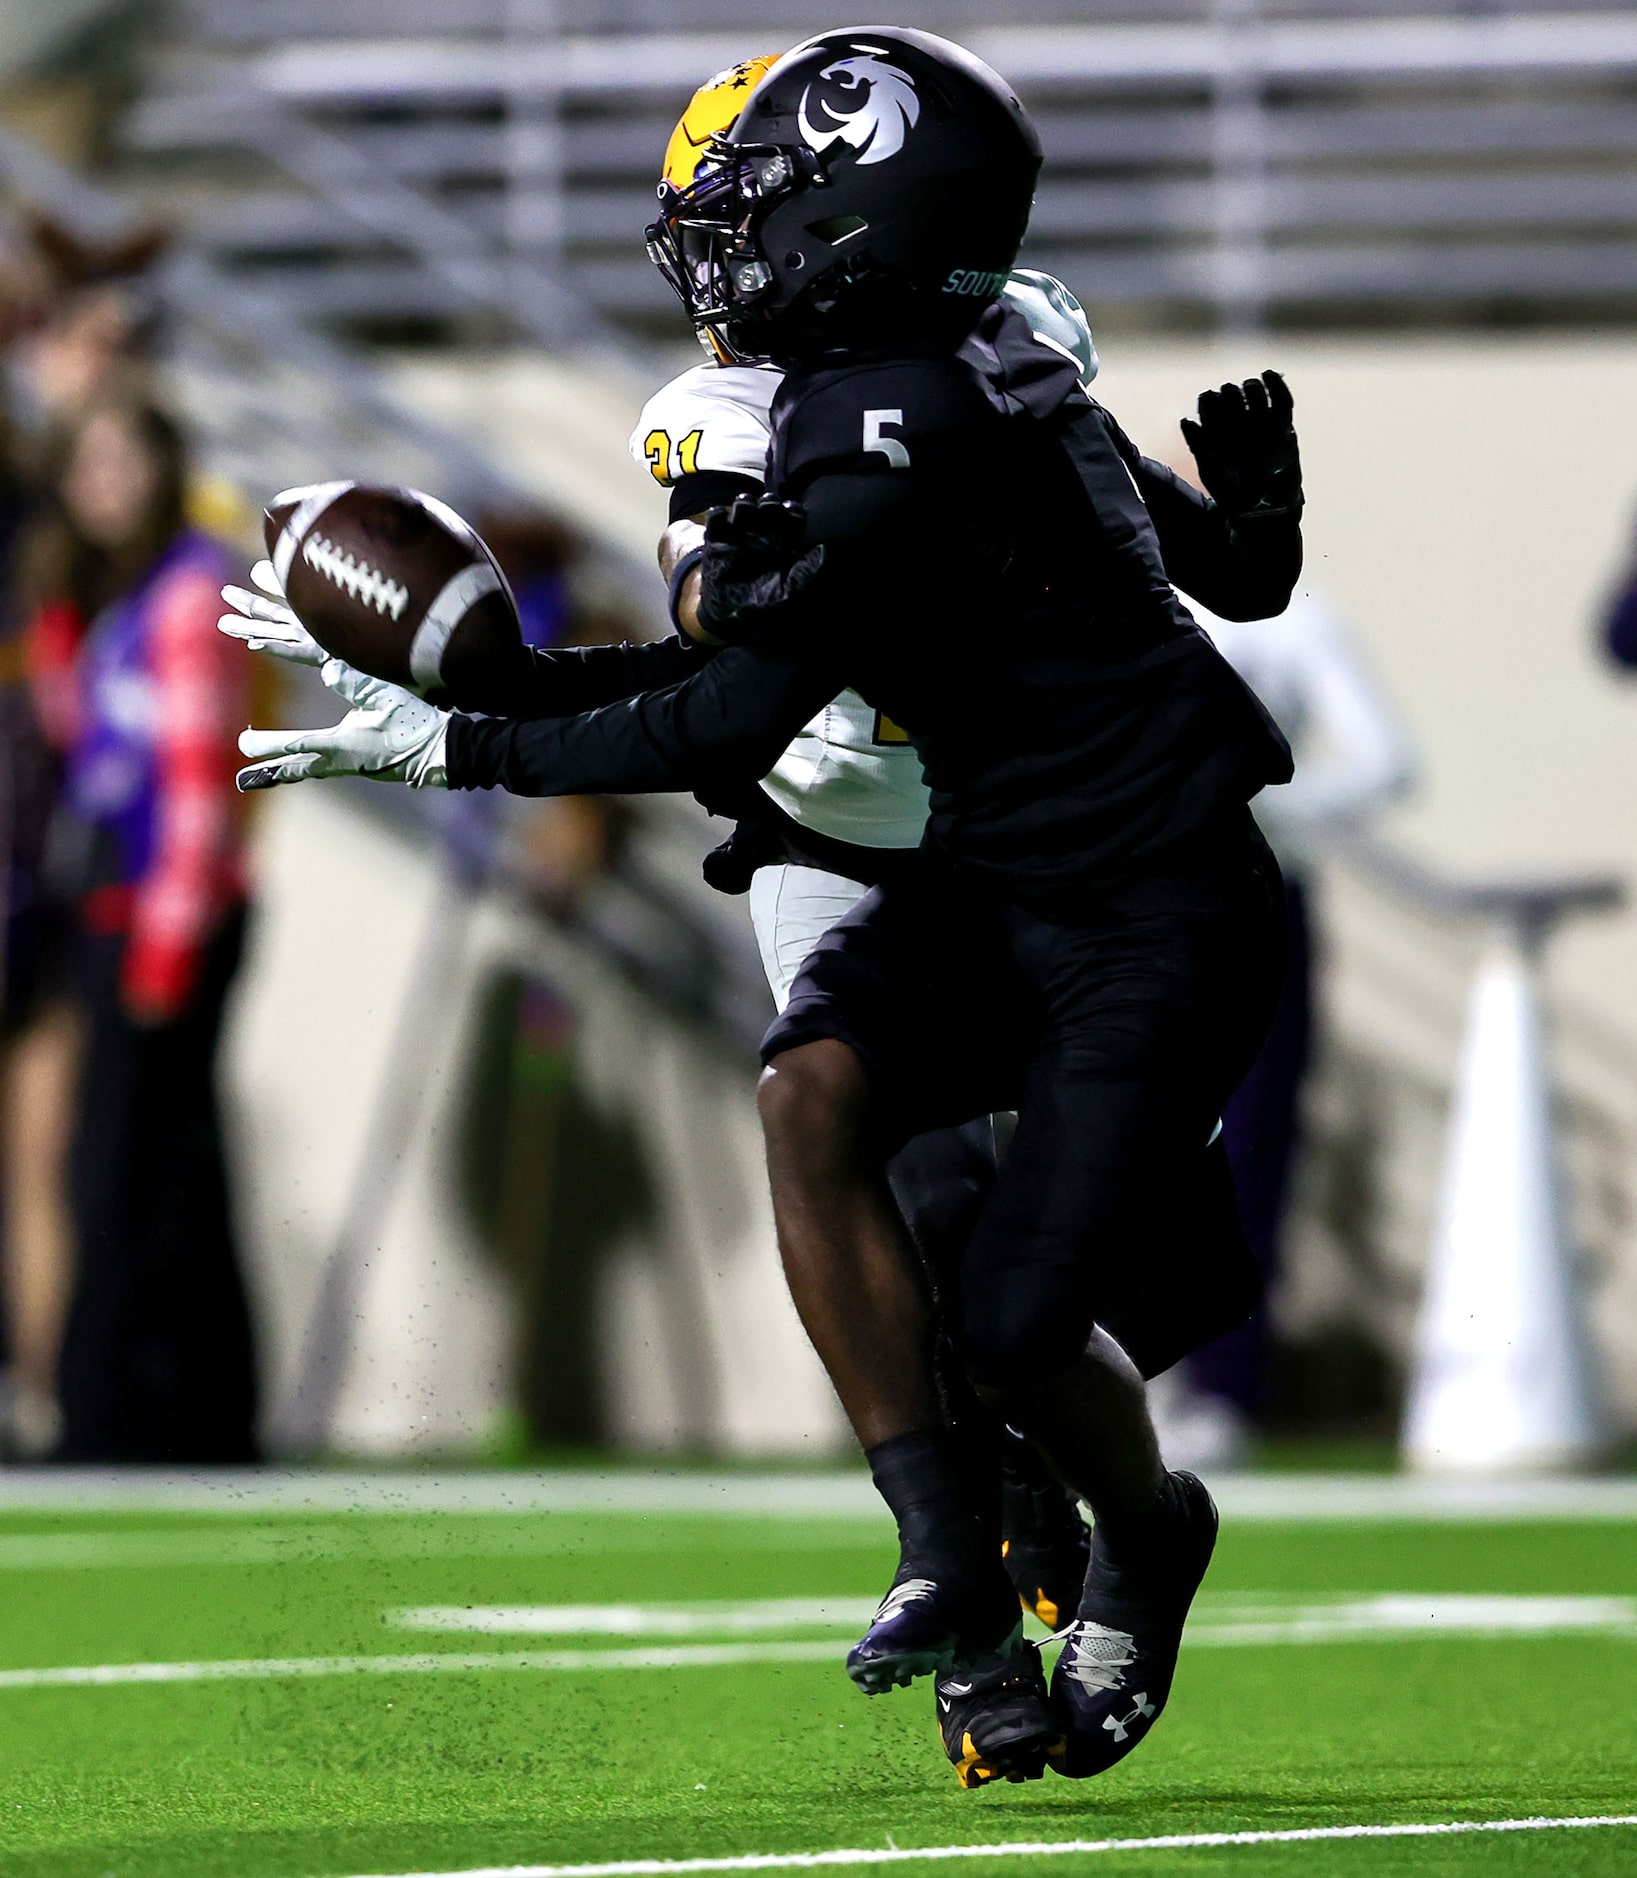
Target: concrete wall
{"points": [[697, 1343]]}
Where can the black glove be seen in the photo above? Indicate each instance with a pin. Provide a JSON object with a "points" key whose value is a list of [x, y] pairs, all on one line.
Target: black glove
{"points": [[753, 568], [1245, 446]]}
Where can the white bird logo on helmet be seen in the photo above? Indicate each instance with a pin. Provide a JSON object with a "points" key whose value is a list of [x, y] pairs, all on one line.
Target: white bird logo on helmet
{"points": [[862, 102]]}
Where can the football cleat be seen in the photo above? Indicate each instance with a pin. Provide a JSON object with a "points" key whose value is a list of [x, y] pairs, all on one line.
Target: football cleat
{"points": [[925, 1626], [1047, 1545], [996, 1718], [1119, 1655]]}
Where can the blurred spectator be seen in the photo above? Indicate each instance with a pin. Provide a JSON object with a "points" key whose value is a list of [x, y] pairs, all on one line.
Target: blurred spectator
{"points": [[75, 317], [145, 698], [536, 554], [94, 319], [1352, 758], [38, 1032]]}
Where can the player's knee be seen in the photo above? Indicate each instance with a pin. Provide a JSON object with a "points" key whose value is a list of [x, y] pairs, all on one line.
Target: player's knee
{"points": [[813, 1100], [1025, 1333]]}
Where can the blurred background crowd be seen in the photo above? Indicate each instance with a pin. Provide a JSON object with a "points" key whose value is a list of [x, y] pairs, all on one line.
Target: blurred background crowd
{"points": [[382, 1127]]}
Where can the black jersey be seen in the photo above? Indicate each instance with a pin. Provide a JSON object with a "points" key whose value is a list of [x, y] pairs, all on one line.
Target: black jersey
{"points": [[995, 584]]}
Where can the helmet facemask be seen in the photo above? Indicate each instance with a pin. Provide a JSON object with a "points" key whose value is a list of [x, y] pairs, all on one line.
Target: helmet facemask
{"points": [[705, 240]]}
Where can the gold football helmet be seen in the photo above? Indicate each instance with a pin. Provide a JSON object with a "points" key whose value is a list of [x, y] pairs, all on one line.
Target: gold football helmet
{"points": [[712, 110]]}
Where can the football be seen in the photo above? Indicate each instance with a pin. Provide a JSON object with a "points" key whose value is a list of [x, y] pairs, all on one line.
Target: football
{"points": [[394, 582]]}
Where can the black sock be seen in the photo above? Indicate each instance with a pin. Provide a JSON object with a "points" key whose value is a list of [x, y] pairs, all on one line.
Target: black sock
{"points": [[923, 1480], [1142, 1536], [978, 1440]]}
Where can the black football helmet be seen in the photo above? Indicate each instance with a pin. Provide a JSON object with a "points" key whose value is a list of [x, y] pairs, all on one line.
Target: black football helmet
{"points": [[873, 189]]}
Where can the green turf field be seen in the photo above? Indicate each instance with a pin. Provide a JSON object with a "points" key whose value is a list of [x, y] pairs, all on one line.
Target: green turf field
{"points": [[1339, 1674]]}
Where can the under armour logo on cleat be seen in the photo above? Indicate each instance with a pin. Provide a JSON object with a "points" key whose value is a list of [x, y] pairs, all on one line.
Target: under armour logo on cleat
{"points": [[1120, 1726], [901, 1596]]}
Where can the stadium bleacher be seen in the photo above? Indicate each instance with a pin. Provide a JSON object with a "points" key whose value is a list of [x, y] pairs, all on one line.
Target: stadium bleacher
{"points": [[1208, 164]]}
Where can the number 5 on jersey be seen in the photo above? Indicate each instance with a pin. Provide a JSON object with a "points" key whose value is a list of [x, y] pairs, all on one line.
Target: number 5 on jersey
{"points": [[877, 443], [668, 461]]}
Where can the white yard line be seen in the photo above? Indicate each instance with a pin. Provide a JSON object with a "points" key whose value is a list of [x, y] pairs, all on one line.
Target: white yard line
{"points": [[1264, 1619], [641, 1620], [1405, 1615], [840, 1495], [251, 1669], [1048, 1848], [1384, 1619]]}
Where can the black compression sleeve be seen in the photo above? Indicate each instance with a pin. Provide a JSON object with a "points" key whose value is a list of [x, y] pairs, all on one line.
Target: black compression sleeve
{"points": [[705, 490], [728, 723], [564, 681]]}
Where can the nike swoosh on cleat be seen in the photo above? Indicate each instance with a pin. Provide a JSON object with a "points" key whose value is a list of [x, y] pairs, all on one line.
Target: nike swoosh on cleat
{"points": [[958, 1688]]}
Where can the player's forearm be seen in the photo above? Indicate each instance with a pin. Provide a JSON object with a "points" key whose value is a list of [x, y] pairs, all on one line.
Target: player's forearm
{"points": [[1263, 564], [1241, 567], [729, 724], [567, 681], [679, 550]]}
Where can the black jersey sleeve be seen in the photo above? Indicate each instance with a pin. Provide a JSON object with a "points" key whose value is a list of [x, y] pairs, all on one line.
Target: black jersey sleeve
{"points": [[1244, 568], [906, 422], [881, 458], [727, 723], [563, 681], [705, 490]]}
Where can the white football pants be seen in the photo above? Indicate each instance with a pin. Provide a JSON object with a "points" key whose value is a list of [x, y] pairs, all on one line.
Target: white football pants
{"points": [[791, 909]]}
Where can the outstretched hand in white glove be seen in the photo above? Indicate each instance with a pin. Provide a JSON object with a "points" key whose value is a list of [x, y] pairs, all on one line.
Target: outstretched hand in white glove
{"points": [[389, 734], [264, 622]]}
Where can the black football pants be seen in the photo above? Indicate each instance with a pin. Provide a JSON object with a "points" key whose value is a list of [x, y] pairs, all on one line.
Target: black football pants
{"points": [[1117, 1027]]}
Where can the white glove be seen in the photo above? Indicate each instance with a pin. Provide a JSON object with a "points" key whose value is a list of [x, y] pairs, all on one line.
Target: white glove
{"points": [[263, 621], [389, 734]]}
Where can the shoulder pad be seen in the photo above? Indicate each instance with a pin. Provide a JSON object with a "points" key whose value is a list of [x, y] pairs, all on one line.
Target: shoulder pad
{"points": [[1022, 369], [714, 417], [874, 417]]}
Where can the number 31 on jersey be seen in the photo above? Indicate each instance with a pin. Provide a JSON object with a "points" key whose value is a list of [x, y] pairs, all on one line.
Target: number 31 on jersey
{"points": [[669, 460]]}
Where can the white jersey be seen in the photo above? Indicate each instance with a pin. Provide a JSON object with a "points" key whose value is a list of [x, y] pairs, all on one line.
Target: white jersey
{"points": [[1352, 754], [714, 417], [851, 774]]}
